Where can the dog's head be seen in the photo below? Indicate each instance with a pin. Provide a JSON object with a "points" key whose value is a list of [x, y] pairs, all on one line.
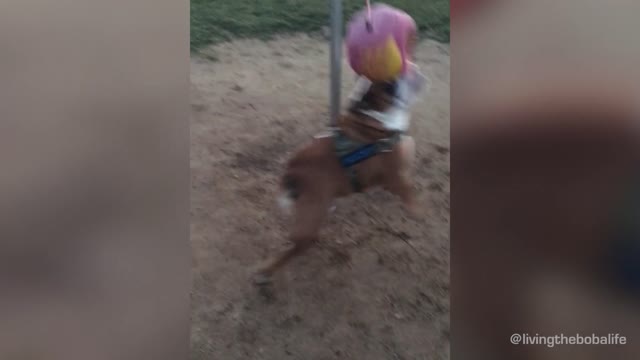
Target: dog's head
{"points": [[380, 97]]}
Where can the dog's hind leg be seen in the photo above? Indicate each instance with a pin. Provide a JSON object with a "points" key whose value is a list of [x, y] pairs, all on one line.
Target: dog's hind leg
{"points": [[310, 212], [400, 185], [398, 179], [407, 152]]}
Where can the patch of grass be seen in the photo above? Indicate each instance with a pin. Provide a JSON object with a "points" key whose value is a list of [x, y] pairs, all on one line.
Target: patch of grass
{"points": [[214, 21]]}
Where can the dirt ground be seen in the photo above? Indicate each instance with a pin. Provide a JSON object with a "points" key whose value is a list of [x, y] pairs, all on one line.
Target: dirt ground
{"points": [[364, 292]]}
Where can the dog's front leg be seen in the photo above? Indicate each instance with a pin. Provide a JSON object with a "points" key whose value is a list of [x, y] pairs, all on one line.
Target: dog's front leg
{"points": [[300, 244], [310, 212]]}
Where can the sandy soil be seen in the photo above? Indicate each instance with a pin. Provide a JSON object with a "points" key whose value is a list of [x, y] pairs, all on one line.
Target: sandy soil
{"points": [[363, 293]]}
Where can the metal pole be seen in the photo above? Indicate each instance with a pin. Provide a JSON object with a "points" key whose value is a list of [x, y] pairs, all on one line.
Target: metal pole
{"points": [[336, 59]]}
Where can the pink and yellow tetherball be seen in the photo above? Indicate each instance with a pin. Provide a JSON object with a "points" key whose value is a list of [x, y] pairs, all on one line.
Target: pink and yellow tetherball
{"points": [[379, 52]]}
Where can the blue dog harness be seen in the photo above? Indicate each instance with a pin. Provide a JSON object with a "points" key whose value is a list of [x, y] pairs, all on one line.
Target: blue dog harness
{"points": [[359, 155], [351, 152]]}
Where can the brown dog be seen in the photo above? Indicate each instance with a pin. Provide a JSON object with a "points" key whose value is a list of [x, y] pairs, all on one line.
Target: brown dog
{"points": [[314, 176]]}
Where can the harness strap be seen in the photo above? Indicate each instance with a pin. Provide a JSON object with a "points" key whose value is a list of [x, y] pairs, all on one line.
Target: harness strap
{"points": [[361, 154]]}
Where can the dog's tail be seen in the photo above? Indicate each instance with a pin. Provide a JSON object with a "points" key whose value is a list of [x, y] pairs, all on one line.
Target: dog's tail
{"points": [[289, 192]]}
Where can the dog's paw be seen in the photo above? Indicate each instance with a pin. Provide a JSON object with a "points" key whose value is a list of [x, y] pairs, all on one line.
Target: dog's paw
{"points": [[262, 279]]}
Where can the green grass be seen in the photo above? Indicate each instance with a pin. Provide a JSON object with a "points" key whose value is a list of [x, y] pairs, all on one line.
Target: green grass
{"points": [[214, 21]]}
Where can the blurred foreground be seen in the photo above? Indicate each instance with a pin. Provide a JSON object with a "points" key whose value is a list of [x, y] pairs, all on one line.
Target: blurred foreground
{"points": [[546, 175], [94, 253]]}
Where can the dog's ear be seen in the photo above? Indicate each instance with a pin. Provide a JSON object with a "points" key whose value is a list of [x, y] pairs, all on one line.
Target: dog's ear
{"points": [[376, 97], [390, 88], [367, 102]]}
